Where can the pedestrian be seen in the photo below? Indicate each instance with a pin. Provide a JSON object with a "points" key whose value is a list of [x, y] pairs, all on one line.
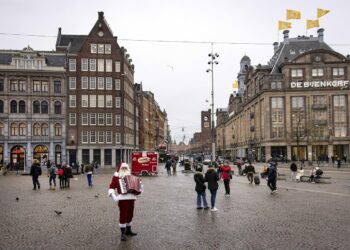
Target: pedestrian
{"points": [[250, 171], [200, 189], [17, 168], [168, 166], [52, 176], [67, 175], [302, 164], [97, 165], [239, 166], [35, 172], [126, 202], [338, 162], [226, 176], [82, 168], [174, 165], [272, 178], [88, 170], [212, 177], [60, 173], [293, 169]]}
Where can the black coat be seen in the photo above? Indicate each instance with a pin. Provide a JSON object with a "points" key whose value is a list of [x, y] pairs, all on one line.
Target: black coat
{"points": [[35, 170], [212, 177], [200, 186]]}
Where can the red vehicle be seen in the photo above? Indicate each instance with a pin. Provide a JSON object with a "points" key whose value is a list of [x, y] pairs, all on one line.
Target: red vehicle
{"points": [[144, 163]]}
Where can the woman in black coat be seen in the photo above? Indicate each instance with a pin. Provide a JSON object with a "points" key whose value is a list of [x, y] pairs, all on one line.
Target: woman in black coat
{"points": [[200, 189], [212, 177], [35, 172]]}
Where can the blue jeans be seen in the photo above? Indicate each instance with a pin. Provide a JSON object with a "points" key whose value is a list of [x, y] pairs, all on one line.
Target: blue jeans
{"points": [[89, 179], [200, 197], [213, 197]]}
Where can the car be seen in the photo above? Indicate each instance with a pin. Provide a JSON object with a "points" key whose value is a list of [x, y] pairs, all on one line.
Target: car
{"points": [[207, 162]]}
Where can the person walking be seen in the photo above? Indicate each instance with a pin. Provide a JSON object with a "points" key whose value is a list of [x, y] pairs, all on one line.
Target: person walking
{"points": [[200, 189], [82, 168], [226, 176], [212, 177], [35, 172], [88, 170], [293, 169], [60, 173], [272, 178], [250, 171], [168, 166], [96, 166], [174, 163], [52, 176], [67, 170], [126, 202]]}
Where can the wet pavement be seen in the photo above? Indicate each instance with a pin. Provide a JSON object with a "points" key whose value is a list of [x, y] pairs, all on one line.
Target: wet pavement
{"points": [[299, 216]]}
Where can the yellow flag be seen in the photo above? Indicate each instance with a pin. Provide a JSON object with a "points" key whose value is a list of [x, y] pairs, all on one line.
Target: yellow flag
{"points": [[284, 25], [321, 12], [312, 24], [235, 84], [293, 14]]}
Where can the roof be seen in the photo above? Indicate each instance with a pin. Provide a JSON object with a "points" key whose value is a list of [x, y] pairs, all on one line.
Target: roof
{"points": [[53, 59], [76, 42], [5, 58], [245, 58]]}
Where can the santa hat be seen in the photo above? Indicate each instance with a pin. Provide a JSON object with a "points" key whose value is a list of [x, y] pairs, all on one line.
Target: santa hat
{"points": [[122, 165]]}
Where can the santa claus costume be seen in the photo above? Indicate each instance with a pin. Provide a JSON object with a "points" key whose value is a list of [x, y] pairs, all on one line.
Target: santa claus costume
{"points": [[125, 201]]}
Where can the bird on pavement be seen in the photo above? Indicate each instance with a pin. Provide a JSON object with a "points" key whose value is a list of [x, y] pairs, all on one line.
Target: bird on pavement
{"points": [[69, 197], [17, 199], [58, 212], [96, 196]]}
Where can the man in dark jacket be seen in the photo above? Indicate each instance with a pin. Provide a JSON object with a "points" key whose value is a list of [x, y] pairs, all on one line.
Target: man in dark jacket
{"points": [[272, 178], [212, 177], [293, 169], [35, 172], [168, 167], [67, 170], [200, 189], [250, 171]]}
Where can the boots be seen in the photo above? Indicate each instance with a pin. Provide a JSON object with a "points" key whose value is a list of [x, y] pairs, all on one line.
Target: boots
{"points": [[129, 232], [123, 236]]}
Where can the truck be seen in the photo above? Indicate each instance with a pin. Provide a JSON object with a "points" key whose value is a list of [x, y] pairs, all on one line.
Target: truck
{"points": [[144, 163]]}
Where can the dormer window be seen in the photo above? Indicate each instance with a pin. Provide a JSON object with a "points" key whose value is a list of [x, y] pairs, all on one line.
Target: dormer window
{"points": [[101, 48], [317, 72], [297, 73], [292, 51]]}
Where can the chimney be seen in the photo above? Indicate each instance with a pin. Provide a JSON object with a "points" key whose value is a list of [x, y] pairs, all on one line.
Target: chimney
{"points": [[100, 15], [285, 36], [320, 35], [275, 46], [59, 31]]}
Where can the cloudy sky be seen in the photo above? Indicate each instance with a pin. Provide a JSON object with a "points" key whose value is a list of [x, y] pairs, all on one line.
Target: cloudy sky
{"points": [[176, 72]]}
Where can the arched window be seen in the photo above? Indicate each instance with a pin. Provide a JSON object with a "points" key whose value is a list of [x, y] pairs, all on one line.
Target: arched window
{"points": [[44, 107], [1, 106], [36, 129], [22, 129], [58, 129], [14, 129], [22, 107], [58, 108], [36, 107], [13, 106], [44, 129]]}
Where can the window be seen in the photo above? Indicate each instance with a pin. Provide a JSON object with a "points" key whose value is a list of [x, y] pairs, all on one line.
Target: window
{"points": [[277, 117], [93, 48], [57, 86], [13, 107], [22, 129], [72, 119], [36, 86], [1, 107], [101, 101], [44, 107], [109, 85], [58, 108], [92, 82], [1, 84], [84, 82], [109, 119], [338, 71], [317, 72], [276, 85], [92, 136], [297, 73], [92, 101], [72, 83], [1, 129], [84, 137], [108, 49], [84, 119], [36, 107], [36, 129], [22, 107], [117, 102], [108, 65], [84, 64], [101, 83], [117, 66], [319, 99], [101, 118], [58, 129], [85, 101], [101, 48], [44, 129], [117, 84], [109, 101], [21, 86], [72, 101], [298, 102], [14, 129], [72, 65], [92, 64], [101, 136], [339, 101], [44, 86], [117, 138], [92, 118], [117, 120], [101, 65], [13, 85], [109, 138]]}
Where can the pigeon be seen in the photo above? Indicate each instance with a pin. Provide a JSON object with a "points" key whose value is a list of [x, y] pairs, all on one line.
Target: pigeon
{"points": [[58, 212], [96, 196], [69, 197], [17, 199]]}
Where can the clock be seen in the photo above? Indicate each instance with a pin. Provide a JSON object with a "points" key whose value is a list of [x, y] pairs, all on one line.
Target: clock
{"points": [[100, 33]]}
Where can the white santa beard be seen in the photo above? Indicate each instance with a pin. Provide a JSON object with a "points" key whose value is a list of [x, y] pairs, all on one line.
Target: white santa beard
{"points": [[123, 173]]}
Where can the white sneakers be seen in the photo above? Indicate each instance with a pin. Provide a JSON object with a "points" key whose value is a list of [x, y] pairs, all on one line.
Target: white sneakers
{"points": [[214, 209]]}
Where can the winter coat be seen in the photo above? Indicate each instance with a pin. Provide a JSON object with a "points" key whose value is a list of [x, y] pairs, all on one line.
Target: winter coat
{"points": [[88, 169], [199, 179], [168, 165], [293, 167], [225, 172], [53, 171], [212, 177], [272, 173], [67, 172], [35, 170]]}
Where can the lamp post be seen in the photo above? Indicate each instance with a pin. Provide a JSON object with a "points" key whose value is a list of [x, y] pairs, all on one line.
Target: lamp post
{"points": [[213, 56], [298, 123]]}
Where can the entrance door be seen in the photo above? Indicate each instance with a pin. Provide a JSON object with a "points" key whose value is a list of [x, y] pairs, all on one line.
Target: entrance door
{"points": [[72, 156], [17, 157]]}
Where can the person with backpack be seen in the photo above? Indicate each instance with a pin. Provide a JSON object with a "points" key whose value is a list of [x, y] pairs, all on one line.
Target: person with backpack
{"points": [[35, 172], [250, 171], [89, 170], [293, 169], [212, 177], [67, 172], [272, 178], [52, 176], [60, 172], [200, 189], [226, 176]]}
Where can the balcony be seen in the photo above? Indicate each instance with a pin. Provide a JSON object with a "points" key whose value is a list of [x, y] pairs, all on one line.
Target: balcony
{"points": [[319, 106], [320, 122]]}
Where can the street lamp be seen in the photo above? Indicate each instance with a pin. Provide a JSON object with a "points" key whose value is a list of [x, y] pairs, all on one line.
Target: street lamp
{"points": [[213, 56], [298, 124]]}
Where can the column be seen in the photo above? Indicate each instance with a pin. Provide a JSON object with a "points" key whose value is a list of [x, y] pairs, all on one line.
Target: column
{"points": [[114, 164], [289, 152], [268, 152], [79, 156], [6, 152], [309, 152], [91, 154], [102, 163], [51, 152]]}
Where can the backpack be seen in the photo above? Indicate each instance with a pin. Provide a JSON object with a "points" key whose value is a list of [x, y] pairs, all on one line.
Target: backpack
{"points": [[52, 171], [60, 172]]}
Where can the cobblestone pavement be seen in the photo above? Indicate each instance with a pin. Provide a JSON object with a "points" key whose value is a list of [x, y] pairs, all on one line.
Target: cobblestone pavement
{"points": [[300, 216]]}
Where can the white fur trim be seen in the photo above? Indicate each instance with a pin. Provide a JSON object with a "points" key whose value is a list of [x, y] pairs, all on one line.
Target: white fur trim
{"points": [[129, 224], [116, 174], [111, 191], [122, 225], [124, 165]]}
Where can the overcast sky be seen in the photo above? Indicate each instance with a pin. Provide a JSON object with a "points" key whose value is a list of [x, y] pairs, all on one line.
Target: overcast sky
{"points": [[176, 72]]}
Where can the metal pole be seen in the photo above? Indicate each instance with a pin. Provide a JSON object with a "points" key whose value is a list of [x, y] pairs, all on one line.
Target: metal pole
{"points": [[212, 105]]}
